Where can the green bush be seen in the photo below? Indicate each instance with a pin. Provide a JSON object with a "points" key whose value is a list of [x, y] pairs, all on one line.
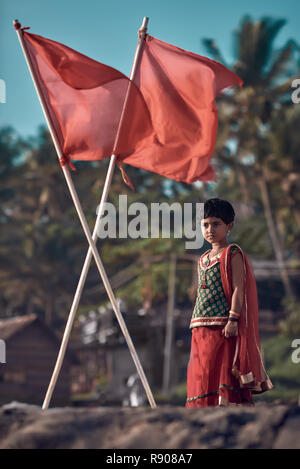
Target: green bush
{"points": [[284, 374], [291, 325]]}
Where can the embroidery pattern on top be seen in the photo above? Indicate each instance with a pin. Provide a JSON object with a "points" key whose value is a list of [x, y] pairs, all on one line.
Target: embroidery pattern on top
{"points": [[211, 307]]}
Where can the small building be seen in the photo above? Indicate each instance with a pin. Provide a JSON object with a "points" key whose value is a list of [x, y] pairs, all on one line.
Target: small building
{"points": [[105, 361], [31, 350]]}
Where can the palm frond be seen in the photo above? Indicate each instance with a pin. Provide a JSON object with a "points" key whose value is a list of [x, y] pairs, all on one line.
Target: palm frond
{"points": [[253, 45], [212, 49], [280, 63], [266, 31]]}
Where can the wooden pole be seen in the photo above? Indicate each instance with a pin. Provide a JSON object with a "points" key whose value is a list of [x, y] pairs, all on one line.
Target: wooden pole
{"points": [[92, 247], [169, 326]]}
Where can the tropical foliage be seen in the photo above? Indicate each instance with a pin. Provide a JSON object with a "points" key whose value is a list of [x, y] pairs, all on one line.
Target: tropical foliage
{"points": [[42, 246]]}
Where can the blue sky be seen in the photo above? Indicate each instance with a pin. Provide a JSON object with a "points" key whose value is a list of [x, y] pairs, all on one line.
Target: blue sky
{"points": [[107, 31]]}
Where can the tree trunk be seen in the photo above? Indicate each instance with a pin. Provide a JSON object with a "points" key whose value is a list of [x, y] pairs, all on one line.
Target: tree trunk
{"points": [[48, 311], [205, 190], [147, 289], [289, 189], [244, 186], [273, 233]]}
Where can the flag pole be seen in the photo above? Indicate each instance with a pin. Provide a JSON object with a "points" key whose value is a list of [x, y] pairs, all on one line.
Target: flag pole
{"points": [[87, 262], [85, 227]]}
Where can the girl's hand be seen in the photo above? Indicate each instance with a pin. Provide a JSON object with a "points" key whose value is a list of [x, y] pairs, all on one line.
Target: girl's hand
{"points": [[231, 329]]}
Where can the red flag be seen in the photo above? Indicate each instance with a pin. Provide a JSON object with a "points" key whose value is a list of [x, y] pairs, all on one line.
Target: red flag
{"points": [[179, 88], [85, 100]]}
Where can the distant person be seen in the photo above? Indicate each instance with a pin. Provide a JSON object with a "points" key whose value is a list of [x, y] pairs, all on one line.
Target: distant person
{"points": [[226, 366], [136, 393]]}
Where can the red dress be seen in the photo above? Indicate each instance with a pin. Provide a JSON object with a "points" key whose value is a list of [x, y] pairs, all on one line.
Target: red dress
{"points": [[227, 371], [209, 378]]}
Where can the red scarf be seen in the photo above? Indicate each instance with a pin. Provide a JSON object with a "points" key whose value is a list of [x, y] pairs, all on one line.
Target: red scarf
{"points": [[247, 364]]}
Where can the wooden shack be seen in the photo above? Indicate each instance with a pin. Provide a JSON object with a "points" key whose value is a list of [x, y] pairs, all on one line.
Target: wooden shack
{"points": [[31, 350]]}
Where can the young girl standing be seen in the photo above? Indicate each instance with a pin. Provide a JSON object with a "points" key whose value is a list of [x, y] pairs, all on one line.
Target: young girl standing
{"points": [[225, 366]]}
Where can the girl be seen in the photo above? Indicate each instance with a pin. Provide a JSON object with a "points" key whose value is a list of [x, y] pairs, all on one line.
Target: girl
{"points": [[225, 366]]}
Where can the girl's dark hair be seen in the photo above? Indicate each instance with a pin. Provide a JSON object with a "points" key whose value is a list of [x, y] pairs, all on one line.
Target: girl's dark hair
{"points": [[220, 209]]}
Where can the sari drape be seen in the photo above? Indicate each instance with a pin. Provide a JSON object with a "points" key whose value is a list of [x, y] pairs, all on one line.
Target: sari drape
{"points": [[248, 365]]}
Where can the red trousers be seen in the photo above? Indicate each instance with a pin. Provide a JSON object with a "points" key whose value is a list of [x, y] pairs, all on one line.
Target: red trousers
{"points": [[209, 378]]}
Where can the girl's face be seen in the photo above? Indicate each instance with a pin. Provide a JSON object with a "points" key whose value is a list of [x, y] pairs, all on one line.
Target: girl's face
{"points": [[214, 229]]}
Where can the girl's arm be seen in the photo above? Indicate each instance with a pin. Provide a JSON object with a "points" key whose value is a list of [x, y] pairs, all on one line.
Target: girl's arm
{"points": [[237, 267], [237, 301]]}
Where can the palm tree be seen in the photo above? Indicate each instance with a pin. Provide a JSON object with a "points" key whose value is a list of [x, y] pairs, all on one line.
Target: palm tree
{"points": [[246, 115], [283, 161]]}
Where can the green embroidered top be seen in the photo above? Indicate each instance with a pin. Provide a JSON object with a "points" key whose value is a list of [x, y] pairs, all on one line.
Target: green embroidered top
{"points": [[211, 307]]}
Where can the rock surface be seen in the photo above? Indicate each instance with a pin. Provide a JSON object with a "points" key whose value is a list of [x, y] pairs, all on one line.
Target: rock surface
{"points": [[263, 426]]}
